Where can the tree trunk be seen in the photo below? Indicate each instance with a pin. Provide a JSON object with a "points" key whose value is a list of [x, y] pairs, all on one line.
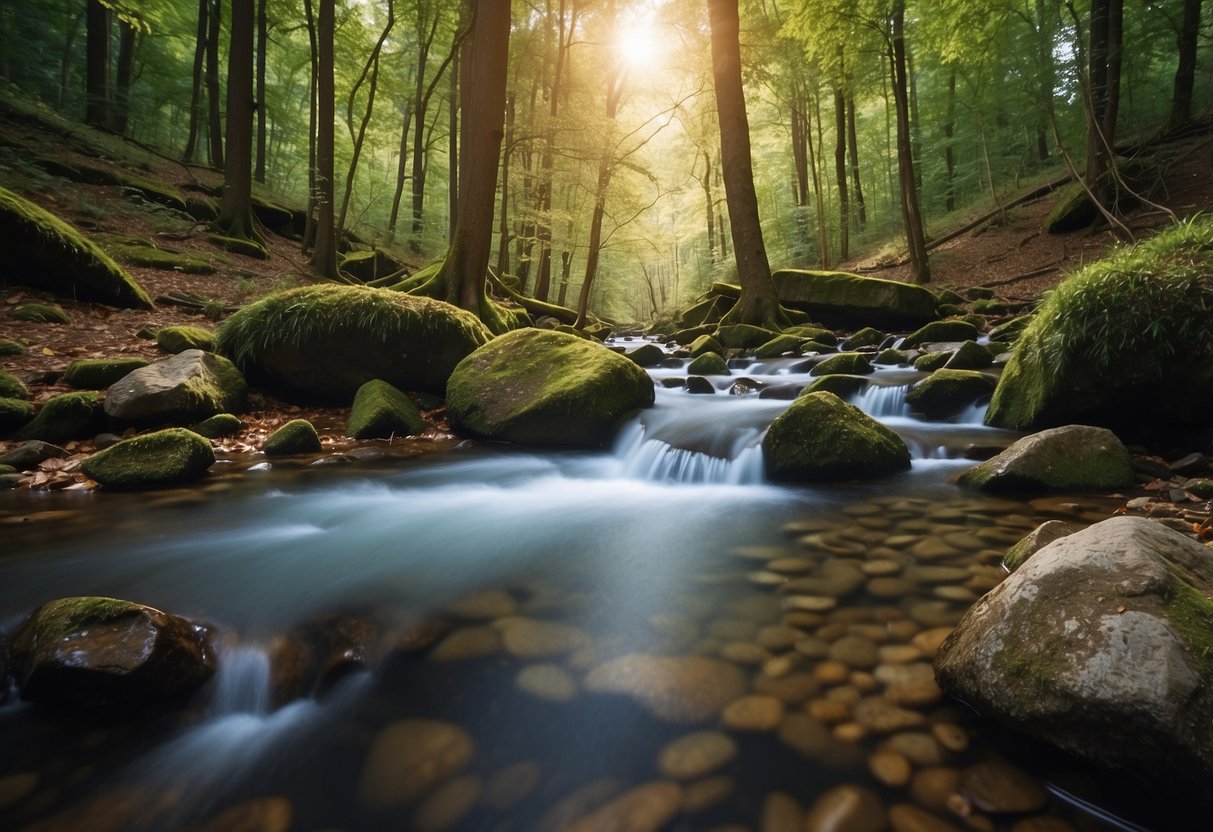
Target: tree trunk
{"points": [[259, 101], [97, 65], [915, 120], [401, 167], [949, 130], [127, 43], [214, 121], [65, 66], [1048, 77], [191, 141], [707, 204], [452, 150], [324, 258], [484, 68], [823, 240], [423, 93], [309, 228], [236, 212], [920, 269], [840, 173], [758, 303], [852, 141], [503, 225], [566, 274], [1185, 73]]}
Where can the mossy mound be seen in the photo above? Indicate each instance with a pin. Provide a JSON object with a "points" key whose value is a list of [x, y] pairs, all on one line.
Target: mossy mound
{"points": [[743, 336], [178, 339], [685, 337], [1070, 458], [10, 348], [843, 299], [369, 265], [945, 393], [847, 363], [239, 245], [297, 436], [705, 343], [1073, 210], [69, 416], [708, 364], [933, 361], [325, 342], [152, 460], [14, 414], [813, 333], [709, 311], [99, 373], [12, 387], [821, 437], [891, 357], [989, 306], [218, 426], [142, 186], [778, 346], [841, 385], [41, 313], [970, 356], [942, 331], [866, 337], [1011, 330], [648, 355], [1035, 540], [380, 411], [133, 251], [1126, 342], [42, 250], [546, 388]]}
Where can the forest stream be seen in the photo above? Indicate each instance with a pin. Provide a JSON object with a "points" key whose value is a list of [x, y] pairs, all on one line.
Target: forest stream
{"points": [[648, 637]]}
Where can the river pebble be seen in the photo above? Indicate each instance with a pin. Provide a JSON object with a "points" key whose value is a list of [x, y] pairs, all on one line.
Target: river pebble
{"points": [[409, 757], [448, 805], [951, 736], [854, 652], [696, 755], [265, 814], [846, 808], [882, 717], [704, 794], [778, 636], [753, 713], [468, 643], [487, 605], [928, 641], [910, 684], [829, 711], [791, 566], [675, 688], [809, 603], [804, 734], [898, 654], [547, 681], [792, 689], [999, 787], [531, 638], [510, 785], [920, 749], [890, 768], [880, 568], [645, 808], [932, 787], [906, 817], [16, 787], [744, 652], [781, 813]]}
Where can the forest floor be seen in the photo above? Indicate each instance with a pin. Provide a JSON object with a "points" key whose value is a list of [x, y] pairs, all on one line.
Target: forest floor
{"points": [[1010, 254]]}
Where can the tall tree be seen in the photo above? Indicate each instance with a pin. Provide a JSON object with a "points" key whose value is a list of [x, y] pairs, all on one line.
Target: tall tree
{"points": [[259, 100], [429, 16], [200, 43], [840, 162], [324, 256], [128, 40], [758, 304], [214, 127], [911, 213], [97, 64], [236, 212], [1185, 72]]}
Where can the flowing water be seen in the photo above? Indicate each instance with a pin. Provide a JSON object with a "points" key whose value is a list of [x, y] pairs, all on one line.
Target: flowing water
{"points": [[522, 633]]}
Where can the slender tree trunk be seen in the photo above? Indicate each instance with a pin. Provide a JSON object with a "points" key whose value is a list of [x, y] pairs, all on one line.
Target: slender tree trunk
{"points": [[309, 229], [758, 303], [853, 143], [721, 233], [920, 269], [262, 40], [214, 121], [65, 67], [800, 164], [566, 275], [503, 222], [915, 120], [324, 258], [823, 239], [191, 141], [840, 173], [949, 130], [127, 43], [452, 153], [97, 65], [401, 168], [706, 182], [1185, 71], [1048, 77], [236, 213]]}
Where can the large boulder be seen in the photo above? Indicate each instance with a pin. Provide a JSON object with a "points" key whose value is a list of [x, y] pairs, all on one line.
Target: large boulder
{"points": [[153, 460], [102, 651], [843, 299], [186, 388], [821, 437], [380, 411], [66, 416], [945, 393], [43, 251], [1101, 643], [1070, 458], [1125, 342], [546, 388], [324, 342]]}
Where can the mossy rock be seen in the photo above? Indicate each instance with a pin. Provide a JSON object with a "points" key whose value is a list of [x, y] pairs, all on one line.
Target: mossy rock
{"points": [[238, 245], [137, 252], [821, 437], [145, 187], [700, 386], [548, 388], [777, 346], [1202, 488], [1010, 330], [1070, 458], [685, 337], [948, 310], [201, 208], [278, 218], [704, 344], [1035, 540], [381, 411], [743, 336], [41, 313], [843, 299], [12, 387], [369, 265], [1073, 210], [991, 306], [10, 348], [945, 393], [43, 251], [218, 426], [153, 460], [841, 385], [950, 296], [815, 347], [866, 337], [99, 373], [891, 357], [970, 356], [942, 331], [709, 311], [708, 364], [189, 386], [933, 361], [295, 437], [67, 416], [14, 414], [847, 363], [813, 333], [178, 339], [324, 342], [647, 355]]}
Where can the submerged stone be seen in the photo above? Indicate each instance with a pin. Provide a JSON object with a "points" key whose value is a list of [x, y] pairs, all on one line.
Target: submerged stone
{"points": [[822, 437], [946, 392], [410, 757], [684, 689]]}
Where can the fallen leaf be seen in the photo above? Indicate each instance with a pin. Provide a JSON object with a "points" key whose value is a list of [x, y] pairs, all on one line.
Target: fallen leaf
{"points": [[47, 351]]}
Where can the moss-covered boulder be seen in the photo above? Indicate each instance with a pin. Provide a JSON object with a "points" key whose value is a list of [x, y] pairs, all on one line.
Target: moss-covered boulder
{"points": [[841, 385], [44, 251], [970, 356], [324, 342], [218, 426], [1126, 342], [777, 346], [239, 245], [10, 348], [99, 373], [686, 337], [68, 416], [191, 385], [545, 388], [813, 333], [933, 361], [942, 331], [369, 265], [14, 414], [708, 311], [297, 436], [708, 364], [843, 299], [175, 339], [821, 437], [12, 387], [1100, 644], [41, 313], [866, 337], [1010, 330], [101, 651], [705, 343], [381, 411], [1070, 458], [891, 357], [647, 355], [946, 392], [743, 336], [848, 363], [1073, 210], [153, 460]]}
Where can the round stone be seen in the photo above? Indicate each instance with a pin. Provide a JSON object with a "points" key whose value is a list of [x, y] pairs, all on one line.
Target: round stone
{"points": [[792, 689], [791, 566], [829, 711], [547, 681], [408, 758], [804, 734], [493, 603], [448, 805], [831, 673], [880, 568], [743, 652], [646, 808], [898, 653], [468, 643], [854, 652], [921, 749], [890, 768], [705, 794], [932, 788], [778, 637], [809, 603], [906, 817], [674, 688], [781, 813], [928, 641], [882, 717], [529, 638], [846, 808], [753, 713], [951, 736], [910, 684], [696, 755], [511, 785], [999, 787]]}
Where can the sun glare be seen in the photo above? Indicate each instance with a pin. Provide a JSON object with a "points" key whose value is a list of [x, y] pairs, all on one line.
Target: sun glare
{"points": [[638, 47]]}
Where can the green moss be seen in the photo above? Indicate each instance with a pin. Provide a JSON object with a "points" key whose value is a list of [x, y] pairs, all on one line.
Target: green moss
{"points": [[970, 356], [989, 307], [151, 460], [708, 364], [938, 331], [891, 357], [950, 309], [813, 333], [7, 470], [815, 346], [1201, 488], [933, 361], [949, 296], [704, 344], [11, 387], [68, 416], [369, 265], [647, 355], [14, 413], [236, 245], [1011, 330], [849, 363], [777, 346], [380, 411], [821, 437], [295, 437], [843, 386], [684, 337], [709, 311], [133, 251], [56, 619], [1191, 615], [569, 329], [176, 339], [743, 336], [41, 313], [1070, 458], [218, 426], [945, 393], [99, 373], [851, 299], [43, 251], [147, 188], [1072, 210], [9, 348], [866, 337]]}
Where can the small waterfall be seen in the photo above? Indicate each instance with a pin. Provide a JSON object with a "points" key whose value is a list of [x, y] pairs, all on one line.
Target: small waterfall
{"points": [[655, 460], [242, 684], [883, 400]]}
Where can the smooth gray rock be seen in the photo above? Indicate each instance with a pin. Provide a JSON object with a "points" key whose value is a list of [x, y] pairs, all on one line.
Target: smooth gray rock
{"points": [[188, 387]]}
